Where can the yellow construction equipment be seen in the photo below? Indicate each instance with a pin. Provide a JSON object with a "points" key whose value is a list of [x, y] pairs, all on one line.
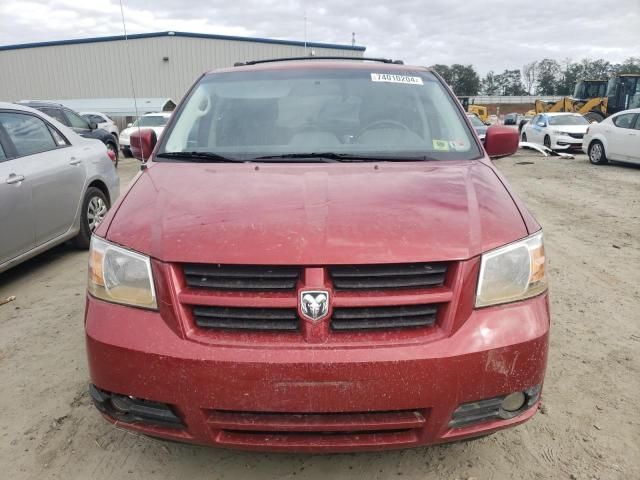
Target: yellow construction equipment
{"points": [[480, 110], [597, 99]]}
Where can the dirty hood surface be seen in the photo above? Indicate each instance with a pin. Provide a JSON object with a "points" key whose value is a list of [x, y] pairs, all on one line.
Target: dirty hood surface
{"points": [[316, 214]]}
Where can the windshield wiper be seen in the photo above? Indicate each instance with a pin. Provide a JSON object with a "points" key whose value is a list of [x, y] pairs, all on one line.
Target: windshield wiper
{"points": [[342, 157], [202, 157]]}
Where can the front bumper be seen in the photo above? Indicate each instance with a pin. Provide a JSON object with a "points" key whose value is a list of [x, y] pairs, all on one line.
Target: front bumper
{"points": [[369, 397], [564, 142]]}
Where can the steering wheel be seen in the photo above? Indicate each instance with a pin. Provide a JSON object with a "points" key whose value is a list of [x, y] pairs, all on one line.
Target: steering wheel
{"points": [[387, 123]]}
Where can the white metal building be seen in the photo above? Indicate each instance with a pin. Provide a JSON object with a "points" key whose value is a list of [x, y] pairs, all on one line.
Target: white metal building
{"points": [[164, 64]]}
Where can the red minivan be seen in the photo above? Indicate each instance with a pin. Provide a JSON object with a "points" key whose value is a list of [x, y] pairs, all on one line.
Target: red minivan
{"points": [[318, 255]]}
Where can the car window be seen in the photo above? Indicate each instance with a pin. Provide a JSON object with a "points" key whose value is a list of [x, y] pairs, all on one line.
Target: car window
{"points": [[3, 155], [568, 120], [475, 121], [637, 127], [342, 111], [28, 133], [626, 120], [535, 120], [57, 137], [55, 113], [94, 118], [76, 121]]}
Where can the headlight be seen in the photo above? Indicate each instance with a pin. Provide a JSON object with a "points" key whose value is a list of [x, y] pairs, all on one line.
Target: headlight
{"points": [[513, 272], [119, 275]]}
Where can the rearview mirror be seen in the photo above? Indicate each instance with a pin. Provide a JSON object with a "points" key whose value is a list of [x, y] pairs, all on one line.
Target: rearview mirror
{"points": [[501, 141], [93, 125], [142, 142]]}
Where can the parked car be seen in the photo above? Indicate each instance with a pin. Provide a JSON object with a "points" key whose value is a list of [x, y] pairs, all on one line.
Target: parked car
{"points": [[77, 123], [54, 185], [557, 130], [103, 121], [511, 119], [154, 121], [319, 256], [478, 125], [615, 138]]}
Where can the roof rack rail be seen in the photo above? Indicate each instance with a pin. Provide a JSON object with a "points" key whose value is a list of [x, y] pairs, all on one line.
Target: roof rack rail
{"points": [[287, 59]]}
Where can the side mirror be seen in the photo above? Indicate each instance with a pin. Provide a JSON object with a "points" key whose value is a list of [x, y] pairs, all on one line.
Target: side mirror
{"points": [[93, 125], [501, 141], [142, 142], [542, 124], [129, 124]]}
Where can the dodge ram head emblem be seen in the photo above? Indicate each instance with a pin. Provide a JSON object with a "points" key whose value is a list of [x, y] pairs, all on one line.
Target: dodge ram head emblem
{"points": [[314, 304]]}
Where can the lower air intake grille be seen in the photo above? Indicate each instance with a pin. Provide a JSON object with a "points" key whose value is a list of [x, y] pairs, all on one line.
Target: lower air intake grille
{"points": [[383, 317], [374, 277], [246, 318], [241, 277]]}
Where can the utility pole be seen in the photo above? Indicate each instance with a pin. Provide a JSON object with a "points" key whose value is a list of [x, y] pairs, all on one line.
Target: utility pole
{"points": [[305, 27]]}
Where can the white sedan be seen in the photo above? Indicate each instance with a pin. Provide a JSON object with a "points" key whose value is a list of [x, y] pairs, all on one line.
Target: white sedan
{"points": [[615, 138], [557, 131], [154, 121]]}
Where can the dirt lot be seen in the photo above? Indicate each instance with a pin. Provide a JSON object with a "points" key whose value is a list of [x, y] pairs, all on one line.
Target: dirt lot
{"points": [[589, 427]]}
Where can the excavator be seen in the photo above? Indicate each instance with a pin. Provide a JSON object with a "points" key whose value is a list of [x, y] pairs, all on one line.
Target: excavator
{"points": [[597, 99], [480, 110]]}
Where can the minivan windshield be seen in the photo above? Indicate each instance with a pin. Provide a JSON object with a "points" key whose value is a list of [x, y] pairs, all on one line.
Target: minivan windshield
{"points": [[568, 120], [357, 114]]}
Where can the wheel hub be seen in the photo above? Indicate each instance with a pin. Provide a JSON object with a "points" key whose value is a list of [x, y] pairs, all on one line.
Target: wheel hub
{"points": [[96, 211]]}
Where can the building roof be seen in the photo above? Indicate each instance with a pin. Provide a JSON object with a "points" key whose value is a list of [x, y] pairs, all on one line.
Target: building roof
{"points": [[117, 107], [138, 36]]}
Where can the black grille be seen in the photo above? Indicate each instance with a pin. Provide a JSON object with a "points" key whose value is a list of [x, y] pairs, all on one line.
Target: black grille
{"points": [[576, 135], [372, 277], [246, 318], [241, 277], [383, 317]]}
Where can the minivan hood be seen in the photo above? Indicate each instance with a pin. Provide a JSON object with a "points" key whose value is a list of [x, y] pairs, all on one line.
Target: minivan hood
{"points": [[316, 214]]}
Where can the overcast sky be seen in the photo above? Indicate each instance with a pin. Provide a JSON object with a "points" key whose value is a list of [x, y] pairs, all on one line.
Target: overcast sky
{"points": [[492, 35]]}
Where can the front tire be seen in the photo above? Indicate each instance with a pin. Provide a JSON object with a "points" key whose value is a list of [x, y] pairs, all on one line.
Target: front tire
{"points": [[547, 141], [596, 153], [126, 151], [524, 136], [94, 208]]}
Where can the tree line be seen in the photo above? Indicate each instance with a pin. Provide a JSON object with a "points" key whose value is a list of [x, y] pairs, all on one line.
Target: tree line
{"points": [[544, 77]]}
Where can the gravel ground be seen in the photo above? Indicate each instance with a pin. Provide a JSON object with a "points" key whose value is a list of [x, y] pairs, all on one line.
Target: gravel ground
{"points": [[589, 426]]}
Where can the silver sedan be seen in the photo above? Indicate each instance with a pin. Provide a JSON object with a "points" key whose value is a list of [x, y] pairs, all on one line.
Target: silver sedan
{"points": [[54, 185]]}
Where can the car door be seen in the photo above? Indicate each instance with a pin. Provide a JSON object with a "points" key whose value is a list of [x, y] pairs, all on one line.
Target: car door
{"points": [[536, 129], [17, 232], [621, 137], [54, 170], [634, 153]]}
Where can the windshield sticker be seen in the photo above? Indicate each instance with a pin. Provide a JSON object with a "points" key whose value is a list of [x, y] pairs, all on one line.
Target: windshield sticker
{"points": [[442, 145], [390, 78], [458, 145]]}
